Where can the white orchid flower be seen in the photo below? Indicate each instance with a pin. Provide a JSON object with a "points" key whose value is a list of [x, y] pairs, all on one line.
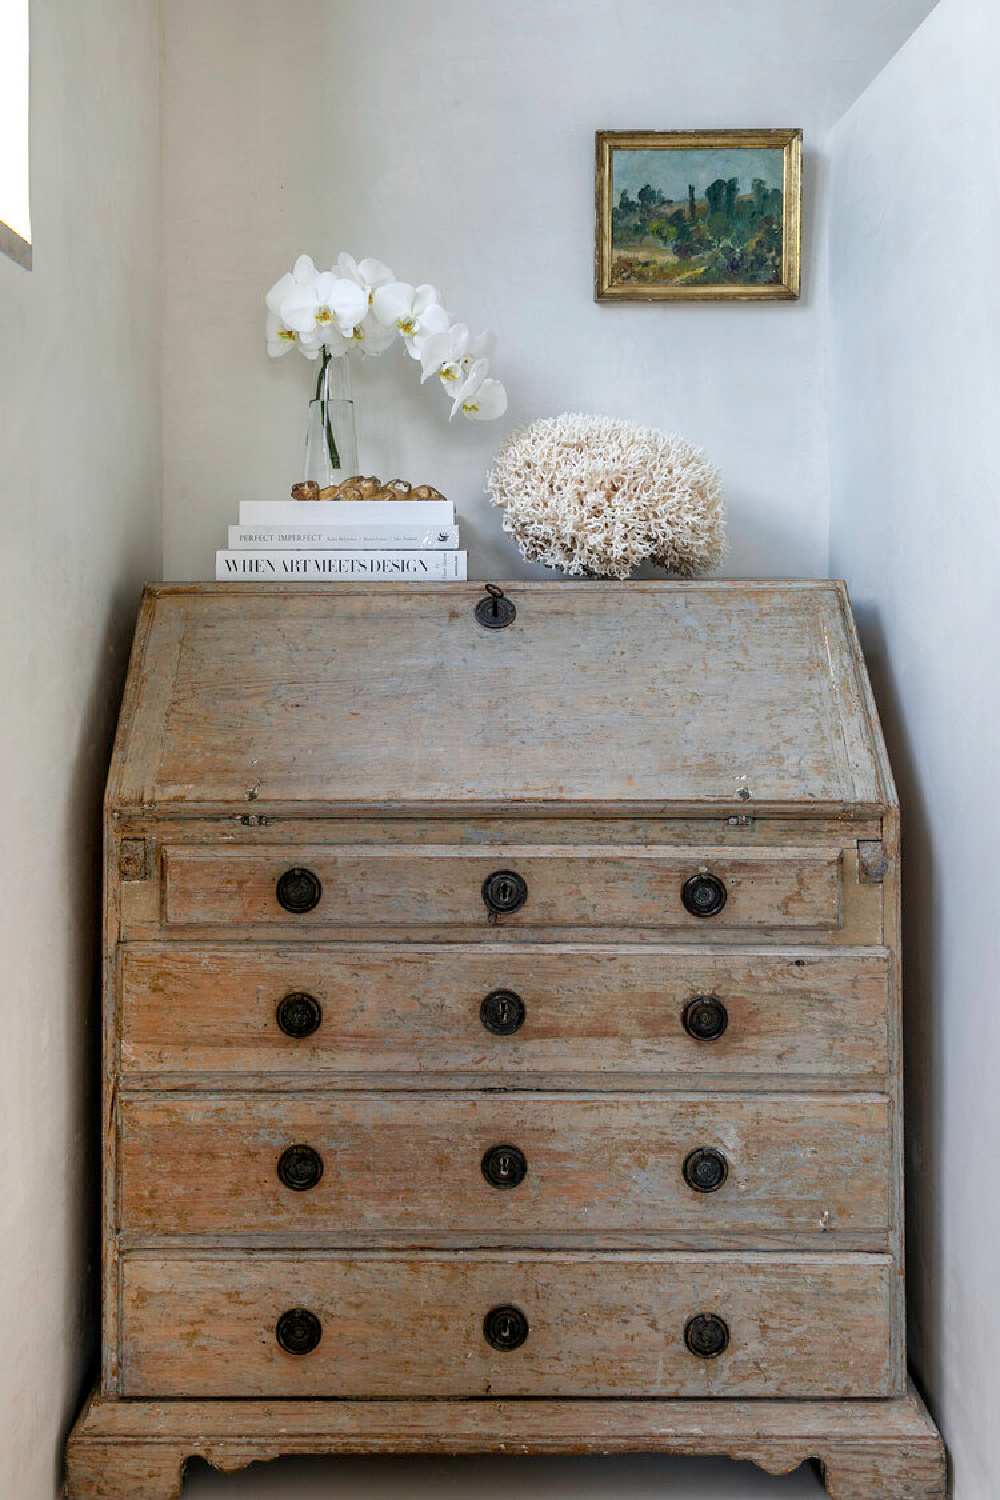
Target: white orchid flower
{"points": [[451, 355], [415, 311], [281, 338], [371, 336], [480, 399], [368, 273], [322, 304]]}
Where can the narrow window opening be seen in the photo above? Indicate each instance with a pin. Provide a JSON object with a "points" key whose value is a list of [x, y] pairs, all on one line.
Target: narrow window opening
{"points": [[15, 203]]}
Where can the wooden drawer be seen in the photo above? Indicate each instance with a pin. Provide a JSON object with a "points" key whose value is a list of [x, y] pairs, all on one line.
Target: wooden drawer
{"points": [[798, 1325], [798, 1170], [441, 886], [612, 1014]]}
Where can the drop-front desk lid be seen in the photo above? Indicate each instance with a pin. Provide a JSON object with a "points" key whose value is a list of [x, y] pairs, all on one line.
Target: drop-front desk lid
{"points": [[635, 696]]}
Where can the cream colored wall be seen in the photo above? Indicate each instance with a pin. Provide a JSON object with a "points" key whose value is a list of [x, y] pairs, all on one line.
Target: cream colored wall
{"points": [[81, 528], [455, 140], [915, 223]]}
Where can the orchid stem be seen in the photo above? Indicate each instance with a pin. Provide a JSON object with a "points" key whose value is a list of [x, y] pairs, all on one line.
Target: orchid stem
{"points": [[322, 385]]}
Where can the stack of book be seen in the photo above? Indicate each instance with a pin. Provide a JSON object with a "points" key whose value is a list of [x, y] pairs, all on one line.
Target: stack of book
{"points": [[346, 540]]}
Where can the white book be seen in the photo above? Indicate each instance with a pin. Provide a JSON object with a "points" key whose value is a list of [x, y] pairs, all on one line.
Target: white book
{"points": [[286, 566], [423, 513], [343, 538]]}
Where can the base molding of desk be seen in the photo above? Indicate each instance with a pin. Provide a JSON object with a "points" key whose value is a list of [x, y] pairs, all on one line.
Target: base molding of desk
{"points": [[866, 1450]]}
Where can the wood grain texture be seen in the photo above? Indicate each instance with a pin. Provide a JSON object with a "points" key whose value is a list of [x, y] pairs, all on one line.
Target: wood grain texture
{"points": [[430, 886], [890, 1445], [803, 1171], [608, 738], [407, 1325], [612, 1014], [278, 693]]}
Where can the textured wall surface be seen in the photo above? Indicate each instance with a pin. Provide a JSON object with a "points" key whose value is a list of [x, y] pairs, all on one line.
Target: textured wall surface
{"points": [[455, 140], [80, 505], [915, 224]]}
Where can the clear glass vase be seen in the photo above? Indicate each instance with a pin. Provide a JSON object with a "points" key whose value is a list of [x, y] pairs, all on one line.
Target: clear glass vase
{"points": [[331, 441]]}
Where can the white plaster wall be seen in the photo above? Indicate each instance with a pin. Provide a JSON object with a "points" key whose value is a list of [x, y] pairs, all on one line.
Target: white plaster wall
{"points": [[455, 140], [79, 531], [915, 529]]}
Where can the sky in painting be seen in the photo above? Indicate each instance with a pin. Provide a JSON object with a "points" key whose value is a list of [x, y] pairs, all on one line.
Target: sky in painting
{"points": [[671, 171]]}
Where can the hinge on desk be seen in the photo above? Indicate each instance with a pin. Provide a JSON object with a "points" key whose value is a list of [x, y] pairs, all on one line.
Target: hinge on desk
{"points": [[740, 820], [133, 859], [872, 863]]}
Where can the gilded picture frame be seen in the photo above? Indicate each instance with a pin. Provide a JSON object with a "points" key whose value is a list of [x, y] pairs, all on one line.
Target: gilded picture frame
{"points": [[698, 215]]}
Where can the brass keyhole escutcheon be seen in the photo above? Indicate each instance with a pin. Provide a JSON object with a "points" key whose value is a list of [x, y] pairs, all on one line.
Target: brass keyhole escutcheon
{"points": [[505, 1327], [504, 1166], [502, 1012], [504, 892]]}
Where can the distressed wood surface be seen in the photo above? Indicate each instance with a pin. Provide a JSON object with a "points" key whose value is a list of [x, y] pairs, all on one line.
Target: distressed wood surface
{"points": [[803, 1171], [891, 1446], [626, 724], [704, 691], [412, 1324], [432, 885], [612, 1014]]}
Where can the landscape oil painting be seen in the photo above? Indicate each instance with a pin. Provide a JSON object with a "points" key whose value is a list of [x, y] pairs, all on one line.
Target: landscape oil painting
{"points": [[698, 215]]}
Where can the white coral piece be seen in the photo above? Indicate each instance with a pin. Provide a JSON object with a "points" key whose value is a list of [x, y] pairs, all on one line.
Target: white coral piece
{"points": [[596, 497]]}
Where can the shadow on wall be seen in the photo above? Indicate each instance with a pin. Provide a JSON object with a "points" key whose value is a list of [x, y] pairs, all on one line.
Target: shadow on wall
{"points": [[81, 901], [921, 1024]]}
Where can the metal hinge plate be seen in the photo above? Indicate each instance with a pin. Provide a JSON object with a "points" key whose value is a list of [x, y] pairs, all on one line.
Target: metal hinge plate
{"points": [[873, 866], [133, 859]]}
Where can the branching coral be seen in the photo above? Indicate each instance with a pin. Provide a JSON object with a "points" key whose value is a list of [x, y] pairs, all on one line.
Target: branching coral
{"points": [[596, 497]]}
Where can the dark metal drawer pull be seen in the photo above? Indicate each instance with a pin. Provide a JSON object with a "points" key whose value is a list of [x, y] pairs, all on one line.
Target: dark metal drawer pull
{"points": [[502, 1012], [300, 1168], [298, 890], [299, 1014], [707, 1335], [505, 891], [505, 1327], [504, 1166], [704, 895], [705, 1170], [705, 1018], [298, 1331]]}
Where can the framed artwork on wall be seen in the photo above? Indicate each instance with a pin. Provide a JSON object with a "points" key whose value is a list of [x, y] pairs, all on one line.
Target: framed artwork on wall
{"points": [[697, 215]]}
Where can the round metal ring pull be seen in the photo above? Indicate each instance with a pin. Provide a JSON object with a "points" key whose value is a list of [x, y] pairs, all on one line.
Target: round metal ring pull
{"points": [[298, 890], [505, 892], [707, 1335], [298, 1331], [505, 1327], [502, 1012], [504, 1166], [300, 1168], [299, 1014], [704, 895], [496, 611], [705, 1170], [705, 1018]]}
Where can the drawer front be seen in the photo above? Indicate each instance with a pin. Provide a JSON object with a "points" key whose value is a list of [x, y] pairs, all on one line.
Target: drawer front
{"points": [[793, 1326], [534, 886], [492, 1013], [519, 1169]]}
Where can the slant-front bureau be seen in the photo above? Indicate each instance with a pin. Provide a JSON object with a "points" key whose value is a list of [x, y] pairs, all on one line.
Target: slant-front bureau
{"points": [[502, 1038]]}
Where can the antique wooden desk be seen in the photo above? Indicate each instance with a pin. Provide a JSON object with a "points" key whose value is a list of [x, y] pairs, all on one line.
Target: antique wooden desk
{"points": [[502, 1035]]}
